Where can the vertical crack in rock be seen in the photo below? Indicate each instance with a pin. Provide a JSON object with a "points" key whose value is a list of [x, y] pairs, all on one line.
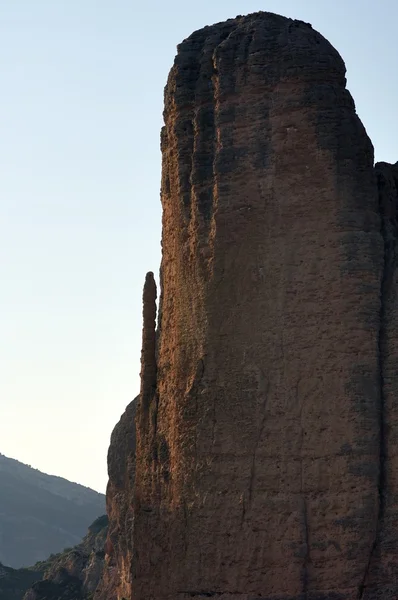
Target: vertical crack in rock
{"points": [[381, 568], [204, 141], [256, 447], [384, 288], [186, 526], [385, 283], [305, 579], [193, 392], [306, 542], [184, 90]]}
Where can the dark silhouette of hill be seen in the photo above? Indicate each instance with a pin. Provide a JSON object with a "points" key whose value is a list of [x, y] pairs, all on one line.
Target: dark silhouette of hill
{"points": [[41, 514], [69, 575], [15, 582]]}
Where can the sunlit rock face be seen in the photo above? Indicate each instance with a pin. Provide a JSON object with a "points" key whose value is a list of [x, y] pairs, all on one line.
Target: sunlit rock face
{"points": [[267, 410]]}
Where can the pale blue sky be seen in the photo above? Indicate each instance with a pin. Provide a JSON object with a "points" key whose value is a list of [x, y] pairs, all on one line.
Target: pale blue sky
{"points": [[80, 113]]}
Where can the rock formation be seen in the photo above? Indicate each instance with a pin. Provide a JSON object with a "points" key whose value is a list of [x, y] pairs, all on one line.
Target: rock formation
{"points": [[15, 582], [75, 573], [266, 443], [260, 459], [382, 576], [116, 580]]}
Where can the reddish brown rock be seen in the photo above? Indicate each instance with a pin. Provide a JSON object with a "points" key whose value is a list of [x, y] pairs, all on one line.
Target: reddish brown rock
{"points": [[258, 443], [382, 578], [74, 574], [116, 579]]}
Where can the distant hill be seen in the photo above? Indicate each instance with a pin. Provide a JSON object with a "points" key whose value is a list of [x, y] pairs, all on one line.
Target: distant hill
{"points": [[41, 514]]}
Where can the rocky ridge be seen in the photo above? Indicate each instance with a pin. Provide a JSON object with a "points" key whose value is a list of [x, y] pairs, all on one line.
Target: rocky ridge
{"points": [[15, 582], [75, 573]]}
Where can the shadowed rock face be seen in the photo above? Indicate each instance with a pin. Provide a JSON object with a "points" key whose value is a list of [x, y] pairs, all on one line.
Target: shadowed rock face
{"points": [[382, 578], [15, 582], [116, 578], [261, 443], [73, 574]]}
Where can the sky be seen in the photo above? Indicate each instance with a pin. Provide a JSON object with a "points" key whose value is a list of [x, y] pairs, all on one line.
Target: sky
{"points": [[80, 217]]}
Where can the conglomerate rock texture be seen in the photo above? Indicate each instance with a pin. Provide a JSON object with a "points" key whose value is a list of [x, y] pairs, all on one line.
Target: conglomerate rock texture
{"points": [[266, 458]]}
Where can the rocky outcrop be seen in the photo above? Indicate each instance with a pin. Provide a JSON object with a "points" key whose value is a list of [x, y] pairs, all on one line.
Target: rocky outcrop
{"points": [[259, 460], [262, 445], [73, 574], [116, 580], [15, 582], [76, 573], [381, 580]]}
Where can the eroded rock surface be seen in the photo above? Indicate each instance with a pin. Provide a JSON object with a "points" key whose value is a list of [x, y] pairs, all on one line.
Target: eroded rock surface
{"points": [[75, 573], [381, 580], [116, 580], [260, 444]]}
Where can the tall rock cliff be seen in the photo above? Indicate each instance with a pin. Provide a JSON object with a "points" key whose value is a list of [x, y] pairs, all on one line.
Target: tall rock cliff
{"points": [[382, 577], [261, 432]]}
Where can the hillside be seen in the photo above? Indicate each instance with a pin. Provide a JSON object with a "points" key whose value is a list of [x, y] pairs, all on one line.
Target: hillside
{"points": [[75, 573], [41, 514], [70, 575], [15, 582]]}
